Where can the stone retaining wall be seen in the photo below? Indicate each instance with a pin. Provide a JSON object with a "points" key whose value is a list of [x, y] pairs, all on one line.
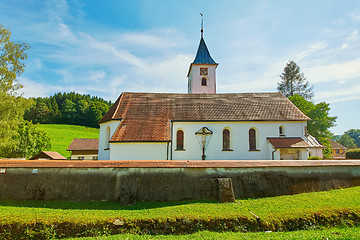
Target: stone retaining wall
{"points": [[131, 181]]}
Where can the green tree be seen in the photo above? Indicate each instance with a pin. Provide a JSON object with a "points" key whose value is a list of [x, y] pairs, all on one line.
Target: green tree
{"points": [[294, 82], [96, 112], [320, 121], [355, 134], [12, 107], [347, 141], [12, 57], [29, 141]]}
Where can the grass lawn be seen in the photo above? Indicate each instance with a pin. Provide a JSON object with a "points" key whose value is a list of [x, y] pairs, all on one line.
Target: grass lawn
{"points": [[61, 135], [296, 212], [330, 233]]}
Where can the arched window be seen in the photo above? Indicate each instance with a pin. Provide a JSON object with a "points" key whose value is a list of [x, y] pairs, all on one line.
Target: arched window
{"points": [[252, 139], [203, 82], [226, 139], [180, 140], [107, 137], [281, 131]]}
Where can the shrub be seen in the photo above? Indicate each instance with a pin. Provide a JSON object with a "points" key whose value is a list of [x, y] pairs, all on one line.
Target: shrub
{"points": [[314, 158], [353, 153]]}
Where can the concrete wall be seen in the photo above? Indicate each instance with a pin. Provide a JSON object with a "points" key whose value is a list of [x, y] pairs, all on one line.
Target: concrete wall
{"points": [[128, 185], [239, 139]]}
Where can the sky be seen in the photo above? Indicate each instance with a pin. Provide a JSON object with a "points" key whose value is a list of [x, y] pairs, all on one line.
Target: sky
{"points": [[103, 48]]}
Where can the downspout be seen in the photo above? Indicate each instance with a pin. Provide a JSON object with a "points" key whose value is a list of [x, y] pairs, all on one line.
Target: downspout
{"points": [[171, 138], [272, 154], [167, 151]]}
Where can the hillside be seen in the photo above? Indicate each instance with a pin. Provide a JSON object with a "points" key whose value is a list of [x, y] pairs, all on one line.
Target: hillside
{"points": [[61, 135]]}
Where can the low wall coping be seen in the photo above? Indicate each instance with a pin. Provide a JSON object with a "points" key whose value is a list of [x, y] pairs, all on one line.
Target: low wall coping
{"points": [[173, 163]]}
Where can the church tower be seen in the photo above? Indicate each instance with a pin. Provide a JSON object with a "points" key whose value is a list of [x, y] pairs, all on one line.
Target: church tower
{"points": [[202, 72]]}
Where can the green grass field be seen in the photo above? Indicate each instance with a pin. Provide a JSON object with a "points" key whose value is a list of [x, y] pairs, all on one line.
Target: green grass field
{"points": [[331, 233], [61, 135], [308, 211]]}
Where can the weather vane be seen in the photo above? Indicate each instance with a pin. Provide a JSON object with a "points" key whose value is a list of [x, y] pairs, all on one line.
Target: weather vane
{"points": [[202, 24]]}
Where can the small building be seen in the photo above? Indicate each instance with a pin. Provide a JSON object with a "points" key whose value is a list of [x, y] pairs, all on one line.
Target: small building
{"points": [[84, 149], [337, 150], [47, 155], [316, 147]]}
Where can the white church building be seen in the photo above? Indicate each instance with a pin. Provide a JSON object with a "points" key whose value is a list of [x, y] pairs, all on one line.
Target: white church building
{"points": [[203, 125]]}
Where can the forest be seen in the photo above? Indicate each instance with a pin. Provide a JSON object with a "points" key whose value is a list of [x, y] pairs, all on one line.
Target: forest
{"points": [[67, 108]]}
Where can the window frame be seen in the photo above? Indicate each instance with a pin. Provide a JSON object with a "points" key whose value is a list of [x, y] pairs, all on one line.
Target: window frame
{"points": [[226, 141], [253, 140], [204, 80], [180, 142]]}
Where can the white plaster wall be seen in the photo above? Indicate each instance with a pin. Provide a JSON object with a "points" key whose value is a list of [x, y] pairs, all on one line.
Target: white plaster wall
{"points": [[239, 139], [86, 157], [195, 79], [316, 152], [105, 154], [138, 151]]}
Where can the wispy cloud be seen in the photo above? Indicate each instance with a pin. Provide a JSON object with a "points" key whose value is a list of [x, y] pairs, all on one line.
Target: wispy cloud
{"points": [[355, 14]]}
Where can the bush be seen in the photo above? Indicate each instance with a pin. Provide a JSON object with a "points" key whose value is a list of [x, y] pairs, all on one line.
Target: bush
{"points": [[314, 158], [353, 153]]}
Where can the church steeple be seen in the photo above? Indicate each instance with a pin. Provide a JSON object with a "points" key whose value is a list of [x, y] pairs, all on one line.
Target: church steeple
{"points": [[202, 71]]}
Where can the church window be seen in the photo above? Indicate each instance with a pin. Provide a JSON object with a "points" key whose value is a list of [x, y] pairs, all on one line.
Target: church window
{"points": [[203, 82], [180, 140], [281, 131], [107, 138], [226, 139], [252, 139]]}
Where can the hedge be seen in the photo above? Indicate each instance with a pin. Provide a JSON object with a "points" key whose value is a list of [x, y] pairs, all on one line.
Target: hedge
{"points": [[353, 153]]}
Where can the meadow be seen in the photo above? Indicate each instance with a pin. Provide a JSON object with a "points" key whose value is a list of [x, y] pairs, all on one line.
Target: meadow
{"points": [[330, 233], [191, 219], [61, 135]]}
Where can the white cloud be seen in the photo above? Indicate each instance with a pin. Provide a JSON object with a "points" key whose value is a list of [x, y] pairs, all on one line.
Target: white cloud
{"points": [[355, 14], [334, 71], [313, 48], [36, 89], [347, 93]]}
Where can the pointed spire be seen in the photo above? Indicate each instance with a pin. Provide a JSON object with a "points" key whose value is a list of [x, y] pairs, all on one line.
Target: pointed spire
{"points": [[203, 54]]}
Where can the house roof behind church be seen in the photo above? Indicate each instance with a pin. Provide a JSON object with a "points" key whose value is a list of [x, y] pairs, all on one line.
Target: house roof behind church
{"points": [[78, 144], [48, 155], [147, 116], [336, 145]]}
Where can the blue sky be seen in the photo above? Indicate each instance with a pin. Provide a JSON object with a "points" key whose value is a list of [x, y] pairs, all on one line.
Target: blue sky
{"points": [[104, 48]]}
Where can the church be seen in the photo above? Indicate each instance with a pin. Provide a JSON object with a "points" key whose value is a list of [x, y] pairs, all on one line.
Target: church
{"points": [[203, 125]]}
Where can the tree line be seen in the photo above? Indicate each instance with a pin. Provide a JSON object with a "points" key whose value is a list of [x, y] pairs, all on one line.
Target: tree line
{"points": [[67, 108], [350, 138]]}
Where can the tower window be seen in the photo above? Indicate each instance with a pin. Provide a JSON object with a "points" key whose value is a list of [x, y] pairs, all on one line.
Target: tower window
{"points": [[180, 140], [203, 82], [252, 139]]}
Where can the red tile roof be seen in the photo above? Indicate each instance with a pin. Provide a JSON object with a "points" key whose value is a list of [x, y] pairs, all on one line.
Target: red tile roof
{"points": [[175, 164], [336, 145], [288, 142], [147, 116], [84, 144], [48, 155]]}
